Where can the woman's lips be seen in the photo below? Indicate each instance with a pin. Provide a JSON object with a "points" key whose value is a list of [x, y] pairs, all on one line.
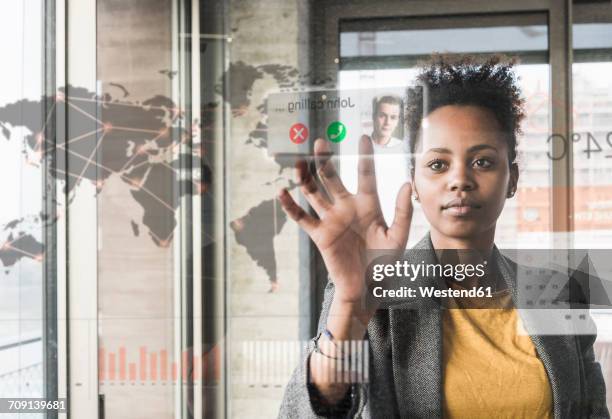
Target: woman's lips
{"points": [[460, 211], [461, 207]]}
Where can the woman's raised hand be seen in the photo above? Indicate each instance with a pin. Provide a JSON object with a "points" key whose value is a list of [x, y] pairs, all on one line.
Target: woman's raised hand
{"points": [[348, 224]]}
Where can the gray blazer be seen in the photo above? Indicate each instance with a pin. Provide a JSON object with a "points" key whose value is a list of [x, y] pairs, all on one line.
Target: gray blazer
{"points": [[405, 362]]}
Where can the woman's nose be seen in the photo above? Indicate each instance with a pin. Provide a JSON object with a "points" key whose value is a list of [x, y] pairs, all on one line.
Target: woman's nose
{"points": [[460, 180]]}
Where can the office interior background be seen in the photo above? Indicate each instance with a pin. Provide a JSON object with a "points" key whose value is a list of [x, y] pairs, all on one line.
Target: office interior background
{"points": [[147, 269]]}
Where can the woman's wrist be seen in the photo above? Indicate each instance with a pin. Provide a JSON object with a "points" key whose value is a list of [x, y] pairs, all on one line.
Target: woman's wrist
{"points": [[348, 320]]}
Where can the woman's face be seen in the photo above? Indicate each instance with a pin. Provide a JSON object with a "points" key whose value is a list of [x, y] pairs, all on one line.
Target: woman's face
{"points": [[462, 175]]}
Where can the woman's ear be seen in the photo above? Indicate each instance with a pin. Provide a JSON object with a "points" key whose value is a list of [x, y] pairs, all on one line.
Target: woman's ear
{"points": [[513, 183]]}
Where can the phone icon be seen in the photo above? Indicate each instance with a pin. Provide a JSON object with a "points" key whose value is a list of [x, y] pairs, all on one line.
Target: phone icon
{"points": [[336, 132]]}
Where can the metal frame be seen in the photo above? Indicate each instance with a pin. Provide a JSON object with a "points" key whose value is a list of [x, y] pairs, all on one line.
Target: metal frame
{"points": [[592, 13], [561, 53], [437, 22], [188, 287], [53, 327], [214, 325], [183, 336], [201, 302], [196, 220], [333, 11], [209, 267], [61, 212]]}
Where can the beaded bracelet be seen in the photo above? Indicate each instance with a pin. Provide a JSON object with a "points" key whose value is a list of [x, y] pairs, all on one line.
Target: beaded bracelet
{"points": [[332, 339]]}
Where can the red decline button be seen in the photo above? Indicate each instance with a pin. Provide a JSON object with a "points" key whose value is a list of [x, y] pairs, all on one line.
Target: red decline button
{"points": [[298, 133]]}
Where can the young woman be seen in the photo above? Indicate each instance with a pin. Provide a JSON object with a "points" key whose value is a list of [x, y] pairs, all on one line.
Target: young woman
{"points": [[426, 361]]}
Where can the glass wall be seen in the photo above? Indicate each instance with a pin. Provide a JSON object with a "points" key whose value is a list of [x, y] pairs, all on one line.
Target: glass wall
{"points": [[22, 219], [194, 116]]}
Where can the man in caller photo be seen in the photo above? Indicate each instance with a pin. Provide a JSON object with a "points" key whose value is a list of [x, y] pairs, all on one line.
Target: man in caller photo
{"points": [[386, 116]]}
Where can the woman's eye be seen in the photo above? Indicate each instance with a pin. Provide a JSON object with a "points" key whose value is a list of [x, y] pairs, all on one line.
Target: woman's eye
{"points": [[437, 165], [483, 163]]}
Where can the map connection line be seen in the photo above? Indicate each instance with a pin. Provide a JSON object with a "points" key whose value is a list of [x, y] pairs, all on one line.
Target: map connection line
{"points": [[91, 157], [44, 127], [76, 108], [63, 172], [23, 252], [98, 165], [162, 242], [130, 160], [166, 165], [150, 131], [153, 195], [72, 140], [136, 166], [161, 201], [167, 239], [7, 245]]}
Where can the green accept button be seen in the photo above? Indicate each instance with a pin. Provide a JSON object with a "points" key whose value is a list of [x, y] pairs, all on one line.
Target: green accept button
{"points": [[336, 132]]}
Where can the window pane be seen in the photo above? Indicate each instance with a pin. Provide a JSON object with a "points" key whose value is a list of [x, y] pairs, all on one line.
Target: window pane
{"points": [[465, 40]]}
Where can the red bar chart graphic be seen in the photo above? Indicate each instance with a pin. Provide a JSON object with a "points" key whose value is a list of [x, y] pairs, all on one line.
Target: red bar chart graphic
{"points": [[141, 365]]}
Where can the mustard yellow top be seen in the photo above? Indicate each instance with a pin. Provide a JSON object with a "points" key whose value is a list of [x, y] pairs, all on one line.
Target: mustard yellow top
{"points": [[490, 368]]}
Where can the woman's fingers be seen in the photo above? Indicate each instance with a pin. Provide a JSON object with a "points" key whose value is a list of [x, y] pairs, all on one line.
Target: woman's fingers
{"points": [[398, 232], [365, 169], [297, 213], [327, 171], [309, 188]]}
